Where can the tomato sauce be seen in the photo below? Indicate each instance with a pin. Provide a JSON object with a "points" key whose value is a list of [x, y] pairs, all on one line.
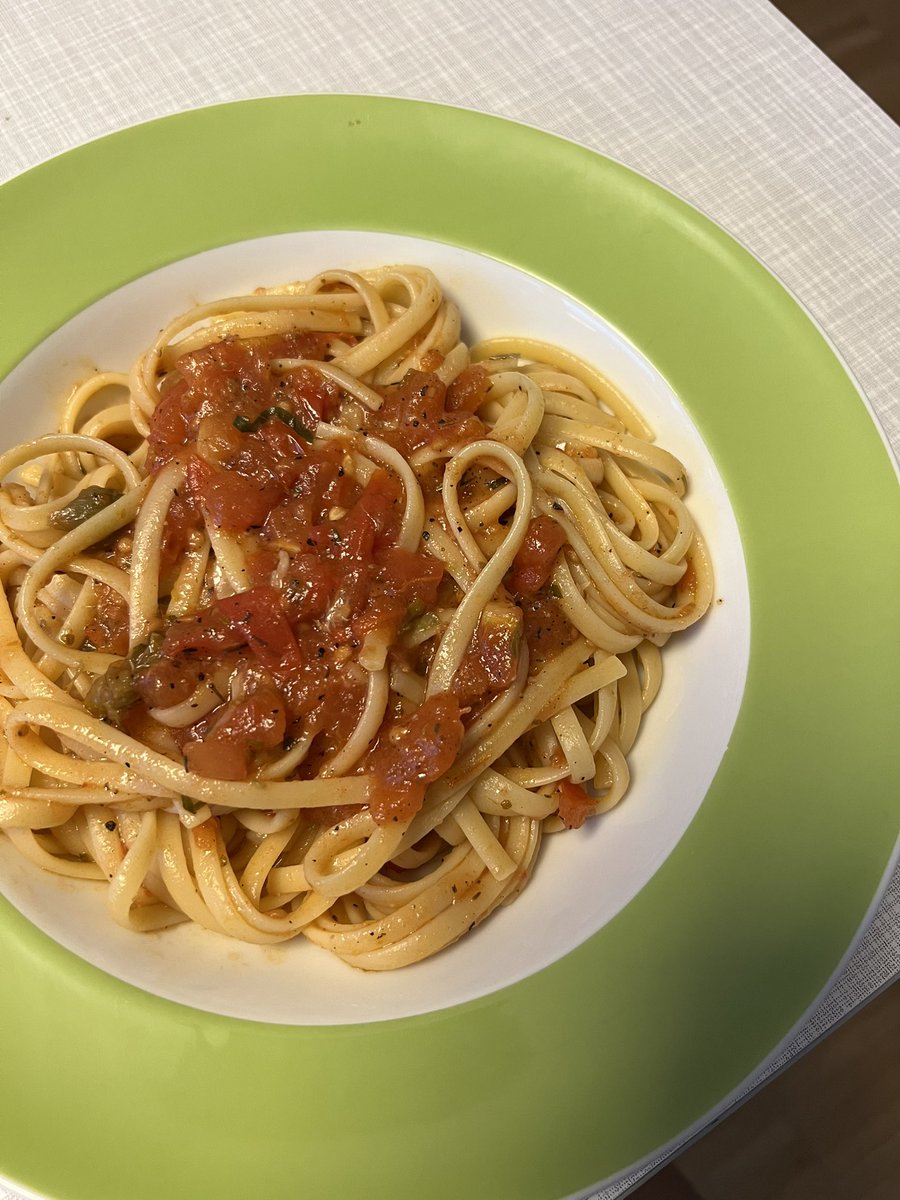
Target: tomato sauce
{"points": [[326, 573]]}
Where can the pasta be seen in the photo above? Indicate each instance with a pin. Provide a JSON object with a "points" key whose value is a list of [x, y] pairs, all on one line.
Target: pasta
{"points": [[318, 621]]}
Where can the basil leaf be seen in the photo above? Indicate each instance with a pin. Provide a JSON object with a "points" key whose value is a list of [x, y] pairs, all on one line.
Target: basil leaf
{"points": [[246, 425]]}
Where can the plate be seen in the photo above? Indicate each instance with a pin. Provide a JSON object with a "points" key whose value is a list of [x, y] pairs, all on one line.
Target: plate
{"points": [[545, 1086]]}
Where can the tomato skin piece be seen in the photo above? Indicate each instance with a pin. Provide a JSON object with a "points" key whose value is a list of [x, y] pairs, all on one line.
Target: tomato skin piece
{"points": [[535, 558], [411, 754], [575, 805]]}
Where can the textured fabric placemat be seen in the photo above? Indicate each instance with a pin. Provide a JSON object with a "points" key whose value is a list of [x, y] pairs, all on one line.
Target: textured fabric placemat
{"points": [[724, 103]]}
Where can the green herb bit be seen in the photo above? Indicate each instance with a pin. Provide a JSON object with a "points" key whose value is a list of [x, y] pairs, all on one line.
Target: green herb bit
{"points": [[146, 653], [189, 805], [113, 693], [85, 505], [246, 425], [415, 609]]}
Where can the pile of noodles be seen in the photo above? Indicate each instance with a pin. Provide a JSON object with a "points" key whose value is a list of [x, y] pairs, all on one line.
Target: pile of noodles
{"points": [[251, 859]]}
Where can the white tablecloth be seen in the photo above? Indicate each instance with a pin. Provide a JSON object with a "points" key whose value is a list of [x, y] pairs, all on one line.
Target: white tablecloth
{"points": [[722, 101]]}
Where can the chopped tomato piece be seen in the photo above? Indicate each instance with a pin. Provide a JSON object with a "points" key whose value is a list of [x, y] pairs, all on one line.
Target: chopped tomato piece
{"points": [[235, 377], [263, 564], [167, 681], [414, 415], [235, 502], [254, 618], [575, 805], [333, 713], [534, 561], [373, 522], [491, 662], [410, 576], [181, 520], [402, 580], [469, 389], [172, 425], [310, 585], [260, 618], [256, 722], [547, 628], [217, 758], [207, 633], [107, 629], [411, 754]]}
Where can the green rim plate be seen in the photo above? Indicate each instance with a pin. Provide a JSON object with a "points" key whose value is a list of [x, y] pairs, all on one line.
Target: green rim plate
{"points": [[569, 1077]]}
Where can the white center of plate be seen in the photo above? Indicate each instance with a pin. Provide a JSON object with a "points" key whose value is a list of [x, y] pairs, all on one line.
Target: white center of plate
{"points": [[583, 878]]}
